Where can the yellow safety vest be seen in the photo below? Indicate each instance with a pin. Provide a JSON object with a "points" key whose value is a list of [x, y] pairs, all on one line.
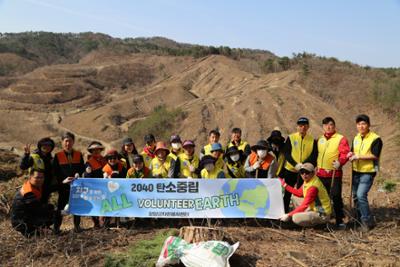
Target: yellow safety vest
{"points": [[159, 169], [362, 147], [211, 175], [322, 203], [185, 162], [147, 159], [237, 170], [241, 146], [328, 151], [38, 163], [301, 149]]}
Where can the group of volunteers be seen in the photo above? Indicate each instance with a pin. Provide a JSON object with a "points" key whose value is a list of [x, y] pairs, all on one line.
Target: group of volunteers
{"points": [[308, 168]]}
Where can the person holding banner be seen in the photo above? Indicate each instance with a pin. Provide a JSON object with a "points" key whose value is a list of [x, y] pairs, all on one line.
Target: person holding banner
{"points": [[259, 161], [316, 207], [209, 169], [138, 170], [234, 162], [148, 152], [163, 165], [189, 162], [67, 165]]}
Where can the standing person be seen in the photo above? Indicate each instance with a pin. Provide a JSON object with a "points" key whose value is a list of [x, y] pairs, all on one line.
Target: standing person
{"points": [[41, 159], [94, 168], [209, 169], [30, 215], [163, 165], [148, 152], [189, 162], [213, 137], [114, 167], [234, 159], [128, 151], [316, 206], [276, 142], [67, 165], [300, 147], [138, 170], [259, 161], [176, 145], [364, 156], [332, 155], [218, 153], [236, 140]]}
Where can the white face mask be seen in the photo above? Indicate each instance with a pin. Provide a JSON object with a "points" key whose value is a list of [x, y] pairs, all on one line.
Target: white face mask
{"points": [[209, 167], [261, 153], [235, 157], [176, 145]]}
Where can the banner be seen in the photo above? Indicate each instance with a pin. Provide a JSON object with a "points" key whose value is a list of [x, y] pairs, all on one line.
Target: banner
{"points": [[177, 198]]}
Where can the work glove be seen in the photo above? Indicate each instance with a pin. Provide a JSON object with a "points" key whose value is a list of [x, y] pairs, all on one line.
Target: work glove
{"points": [[285, 218], [105, 175], [298, 166], [256, 165], [336, 165], [88, 169]]}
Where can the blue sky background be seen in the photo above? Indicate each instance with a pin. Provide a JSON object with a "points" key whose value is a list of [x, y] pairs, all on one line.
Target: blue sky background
{"points": [[366, 32]]}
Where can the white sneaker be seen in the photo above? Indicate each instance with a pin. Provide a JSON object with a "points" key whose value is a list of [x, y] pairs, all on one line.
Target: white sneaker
{"points": [[65, 211]]}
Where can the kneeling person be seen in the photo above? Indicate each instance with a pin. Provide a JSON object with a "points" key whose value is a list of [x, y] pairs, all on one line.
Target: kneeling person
{"points": [[316, 207], [28, 214]]}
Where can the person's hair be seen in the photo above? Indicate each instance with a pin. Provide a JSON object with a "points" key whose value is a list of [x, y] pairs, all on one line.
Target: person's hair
{"points": [[33, 170], [237, 130], [68, 135], [216, 132], [362, 117], [327, 120]]}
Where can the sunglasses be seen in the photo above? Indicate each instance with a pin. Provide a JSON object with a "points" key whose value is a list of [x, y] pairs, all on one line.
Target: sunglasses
{"points": [[304, 171]]}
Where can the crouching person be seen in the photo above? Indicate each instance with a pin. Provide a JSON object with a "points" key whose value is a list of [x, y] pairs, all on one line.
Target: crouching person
{"points": [[29, 215], [316, 206]]}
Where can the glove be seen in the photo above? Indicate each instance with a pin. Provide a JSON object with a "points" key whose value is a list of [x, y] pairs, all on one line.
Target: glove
{"points": [[88, 169], [298, 166], [354, 157], [285, 218], [336, 165], [105, 175], [190, 177], [256, 165], [283, 183]]}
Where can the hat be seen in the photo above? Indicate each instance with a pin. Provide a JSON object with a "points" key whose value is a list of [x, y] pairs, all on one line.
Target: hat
{"points": [[303, 120], [161, 145], [175, 139], [308, 167], [216, 147], [232, 150], [276, 137], [95, 145], [127, 141], [137, 158], [46, 141], [262, 145], [111, 153], [188, 143], [206, 160], [149, 138]]}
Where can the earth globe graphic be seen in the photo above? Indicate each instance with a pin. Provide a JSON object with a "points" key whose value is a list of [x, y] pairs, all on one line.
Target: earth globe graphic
{"points": [[253, 196]]}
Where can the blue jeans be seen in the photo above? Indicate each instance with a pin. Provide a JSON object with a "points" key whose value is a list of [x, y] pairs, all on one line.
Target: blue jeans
{"points": [[362, 183]]}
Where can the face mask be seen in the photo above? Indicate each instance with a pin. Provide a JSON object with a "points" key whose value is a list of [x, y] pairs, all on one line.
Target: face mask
{"points": [[176, 145], [209, 167], [262, 153], [235, 157]]}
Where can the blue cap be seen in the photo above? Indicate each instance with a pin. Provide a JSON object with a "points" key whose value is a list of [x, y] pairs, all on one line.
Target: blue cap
{"points": [[303, 120], [216, 147]]}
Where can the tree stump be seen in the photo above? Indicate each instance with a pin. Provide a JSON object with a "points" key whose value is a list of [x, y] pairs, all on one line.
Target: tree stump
{"points": [[195, 234]]}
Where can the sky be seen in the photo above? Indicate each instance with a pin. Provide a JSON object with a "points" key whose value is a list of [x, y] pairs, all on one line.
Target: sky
{"points": [[366, 32]]}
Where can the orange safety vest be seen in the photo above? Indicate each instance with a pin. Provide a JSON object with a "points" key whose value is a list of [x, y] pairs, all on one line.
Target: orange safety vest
{"points": [[107, 169], [28, 188], [265, 163], [63, 159]]}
